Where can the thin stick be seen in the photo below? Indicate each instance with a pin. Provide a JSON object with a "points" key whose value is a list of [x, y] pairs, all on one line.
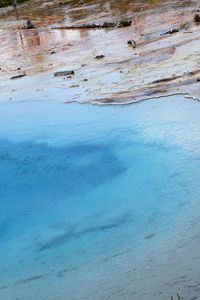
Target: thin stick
{"points": [[15, 4], [179, 298]]}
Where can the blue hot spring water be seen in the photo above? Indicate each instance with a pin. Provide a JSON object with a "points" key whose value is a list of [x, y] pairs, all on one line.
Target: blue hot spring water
{"points": [[86, 190]]}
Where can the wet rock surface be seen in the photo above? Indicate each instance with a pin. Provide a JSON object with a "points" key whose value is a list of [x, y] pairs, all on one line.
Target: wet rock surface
{"points": [[162, 40]]}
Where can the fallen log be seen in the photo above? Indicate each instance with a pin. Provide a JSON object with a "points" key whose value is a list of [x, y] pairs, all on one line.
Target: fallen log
{"points": [[64, 73], [105, 25]]}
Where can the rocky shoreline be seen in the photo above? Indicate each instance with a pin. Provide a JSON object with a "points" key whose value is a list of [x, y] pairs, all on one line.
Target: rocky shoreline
{"points": [[153, 54]]}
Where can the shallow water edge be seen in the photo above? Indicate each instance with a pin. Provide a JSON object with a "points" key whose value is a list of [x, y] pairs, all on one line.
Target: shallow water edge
{"points": [[99, 196]]}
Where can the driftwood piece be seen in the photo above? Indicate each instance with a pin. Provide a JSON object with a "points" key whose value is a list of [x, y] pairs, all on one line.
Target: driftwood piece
{"points": [[18, 76]]}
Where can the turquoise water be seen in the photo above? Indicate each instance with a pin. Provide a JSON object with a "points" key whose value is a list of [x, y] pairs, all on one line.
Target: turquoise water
{"points": [[86, 191]]}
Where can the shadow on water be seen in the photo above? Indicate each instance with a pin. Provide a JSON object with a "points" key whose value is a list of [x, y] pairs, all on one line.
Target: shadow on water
{"points": [[72, 233], [29, 168], [89, 164]]}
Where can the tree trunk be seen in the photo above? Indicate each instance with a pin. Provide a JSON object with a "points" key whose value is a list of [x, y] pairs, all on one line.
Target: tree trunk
{"points": [[14, 4]]}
